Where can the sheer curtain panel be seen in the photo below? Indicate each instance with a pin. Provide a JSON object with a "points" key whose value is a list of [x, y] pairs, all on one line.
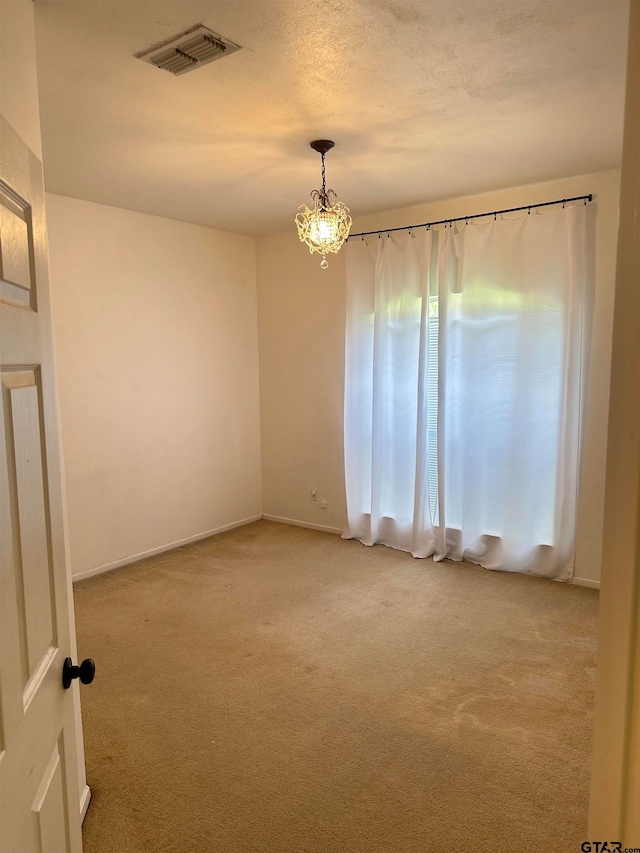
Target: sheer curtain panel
{"points": [[466, 355]]}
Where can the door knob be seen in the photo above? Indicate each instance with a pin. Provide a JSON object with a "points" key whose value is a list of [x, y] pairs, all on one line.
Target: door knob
{"points": [[85, 672]]}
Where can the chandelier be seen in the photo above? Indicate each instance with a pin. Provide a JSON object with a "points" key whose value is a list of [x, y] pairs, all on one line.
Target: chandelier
{"points": [[325, 225]]}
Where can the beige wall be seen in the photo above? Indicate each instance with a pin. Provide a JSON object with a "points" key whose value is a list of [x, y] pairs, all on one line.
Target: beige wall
{"points": [[301, 323], [155, 332], [18, 72]]}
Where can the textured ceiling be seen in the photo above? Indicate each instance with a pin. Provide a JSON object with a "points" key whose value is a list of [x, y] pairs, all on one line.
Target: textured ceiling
{"points": [[425, 99]]}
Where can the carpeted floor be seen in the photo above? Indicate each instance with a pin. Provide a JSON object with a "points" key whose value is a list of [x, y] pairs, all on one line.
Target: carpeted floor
{"points": [[278, 690]]}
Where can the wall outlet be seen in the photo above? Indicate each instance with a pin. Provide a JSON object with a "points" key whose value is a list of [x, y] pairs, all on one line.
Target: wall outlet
{"points": [[323, 504]]}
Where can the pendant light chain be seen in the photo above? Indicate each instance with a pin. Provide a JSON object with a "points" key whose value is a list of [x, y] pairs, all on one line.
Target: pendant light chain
{"points": [[324, 180]]}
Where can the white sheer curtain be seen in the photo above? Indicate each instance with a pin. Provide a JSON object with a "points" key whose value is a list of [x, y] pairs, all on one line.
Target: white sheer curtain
{"points": [[465, 366]]}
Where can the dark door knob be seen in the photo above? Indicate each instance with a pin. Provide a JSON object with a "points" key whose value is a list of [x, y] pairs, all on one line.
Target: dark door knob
{"points": [[85, 672]]}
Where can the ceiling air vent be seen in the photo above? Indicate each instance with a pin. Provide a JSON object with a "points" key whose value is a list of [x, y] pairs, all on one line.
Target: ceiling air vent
{"points": [[188, 51]]}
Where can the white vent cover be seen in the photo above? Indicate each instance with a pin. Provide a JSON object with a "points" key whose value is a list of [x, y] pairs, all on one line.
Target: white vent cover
{"points": [[188, 51]]}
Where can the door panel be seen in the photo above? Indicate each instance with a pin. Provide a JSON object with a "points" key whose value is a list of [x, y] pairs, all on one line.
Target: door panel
{"points": [[50, 830], [17, 239], [28, 499]]}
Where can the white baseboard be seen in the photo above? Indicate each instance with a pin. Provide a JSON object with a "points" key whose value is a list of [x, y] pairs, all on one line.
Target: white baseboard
{"points": [[297, 523], [85, 799], [89, 573], [586, 582]]}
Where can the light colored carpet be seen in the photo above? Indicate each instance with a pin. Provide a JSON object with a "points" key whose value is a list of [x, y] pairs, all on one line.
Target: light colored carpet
{"points": [[278, 690]]}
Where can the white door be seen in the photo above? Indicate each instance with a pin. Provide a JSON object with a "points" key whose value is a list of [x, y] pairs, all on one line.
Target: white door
{"points": [[39, 796]]}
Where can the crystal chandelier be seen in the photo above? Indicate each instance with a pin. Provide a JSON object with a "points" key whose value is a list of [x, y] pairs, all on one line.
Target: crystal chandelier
{"points": [[325, 225]]}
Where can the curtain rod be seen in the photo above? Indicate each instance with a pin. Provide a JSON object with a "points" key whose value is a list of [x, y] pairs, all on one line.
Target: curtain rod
{"points": [[493, 213]]}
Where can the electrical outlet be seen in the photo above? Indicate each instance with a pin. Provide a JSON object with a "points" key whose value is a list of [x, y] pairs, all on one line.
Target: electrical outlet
{"points": [[323, 504]]}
